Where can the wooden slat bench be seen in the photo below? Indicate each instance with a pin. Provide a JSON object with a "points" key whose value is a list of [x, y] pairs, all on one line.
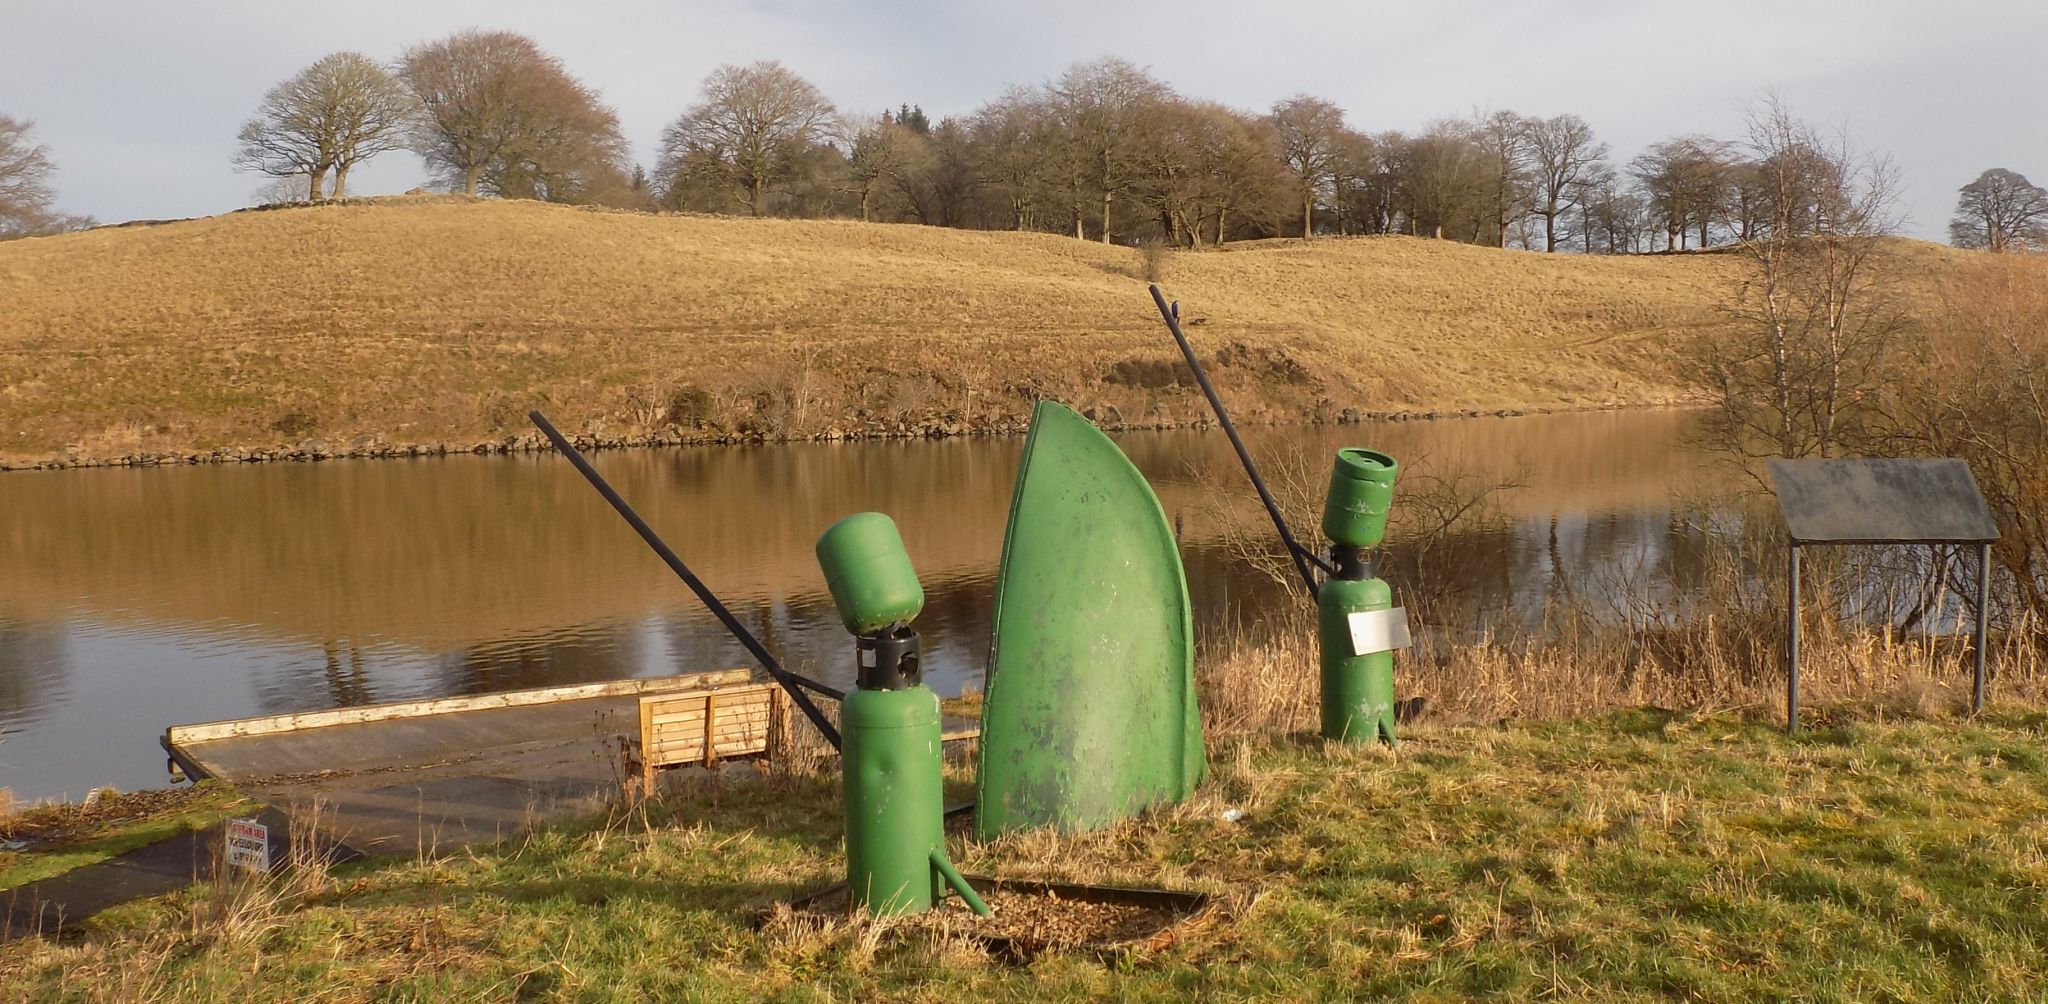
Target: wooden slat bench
{"points": [[707, 726]]}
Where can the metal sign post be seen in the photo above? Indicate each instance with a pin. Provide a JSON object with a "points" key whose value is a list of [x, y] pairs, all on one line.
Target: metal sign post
{"points": [[1792, 637], [1983, 617]]}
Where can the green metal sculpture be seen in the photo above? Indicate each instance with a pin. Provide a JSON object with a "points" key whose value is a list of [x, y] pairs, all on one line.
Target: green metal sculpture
{"points": [[1357, 627], [1089, 715], [895, 816]]}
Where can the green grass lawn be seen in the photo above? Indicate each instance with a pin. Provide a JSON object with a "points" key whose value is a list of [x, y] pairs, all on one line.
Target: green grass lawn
{"points": [[1641, 855], [100, 832]]}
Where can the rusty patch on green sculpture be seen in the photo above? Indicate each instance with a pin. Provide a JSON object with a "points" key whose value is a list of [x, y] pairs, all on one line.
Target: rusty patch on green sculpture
{"points": [[1089, 715]]}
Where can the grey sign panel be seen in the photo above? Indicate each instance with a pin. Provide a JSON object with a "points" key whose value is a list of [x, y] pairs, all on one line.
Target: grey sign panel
{"points": [[1881, 502]]}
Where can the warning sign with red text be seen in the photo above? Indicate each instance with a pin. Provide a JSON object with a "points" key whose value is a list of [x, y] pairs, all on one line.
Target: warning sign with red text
{"points": [[248, 844]]}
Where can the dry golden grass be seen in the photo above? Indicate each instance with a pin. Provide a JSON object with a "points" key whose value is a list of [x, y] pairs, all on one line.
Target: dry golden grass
{"points": [[1579, 670], [442, 322]]}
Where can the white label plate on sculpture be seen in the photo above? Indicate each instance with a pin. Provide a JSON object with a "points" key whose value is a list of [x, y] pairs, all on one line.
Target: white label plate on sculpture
{"points": [[1379, 630]]}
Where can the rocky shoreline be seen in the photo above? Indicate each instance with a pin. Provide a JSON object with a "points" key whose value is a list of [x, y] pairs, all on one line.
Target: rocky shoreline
{"points": [[376, 447]]}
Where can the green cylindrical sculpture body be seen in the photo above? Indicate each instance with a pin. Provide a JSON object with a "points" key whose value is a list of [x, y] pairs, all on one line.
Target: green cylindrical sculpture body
{"points": [[895, 804], [869, 573], [1358, 690], [1361, 490]]}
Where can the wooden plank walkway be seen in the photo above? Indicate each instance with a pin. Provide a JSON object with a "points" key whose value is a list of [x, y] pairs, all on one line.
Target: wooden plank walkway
{"points": [[423, 775]]}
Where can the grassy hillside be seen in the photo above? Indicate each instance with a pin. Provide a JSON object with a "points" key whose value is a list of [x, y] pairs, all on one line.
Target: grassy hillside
{"points": [[436, 321]]}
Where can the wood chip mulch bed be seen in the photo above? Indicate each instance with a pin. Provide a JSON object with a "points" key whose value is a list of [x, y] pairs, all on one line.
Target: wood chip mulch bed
{"points": [[1033, 917]]}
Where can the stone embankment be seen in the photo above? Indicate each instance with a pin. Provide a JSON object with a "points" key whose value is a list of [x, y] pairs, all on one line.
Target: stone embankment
{"points": [[376, 447]]}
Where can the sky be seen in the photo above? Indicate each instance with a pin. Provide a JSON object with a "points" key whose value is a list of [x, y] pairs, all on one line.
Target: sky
{"points": [[139, 100]]}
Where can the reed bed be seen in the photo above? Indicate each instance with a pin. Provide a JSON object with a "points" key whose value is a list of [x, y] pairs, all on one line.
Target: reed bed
{"points": [[1579, 669]]}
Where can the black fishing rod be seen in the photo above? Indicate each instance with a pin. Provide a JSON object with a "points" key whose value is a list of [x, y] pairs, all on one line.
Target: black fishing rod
{"points": [[790, 681], [1303, 557]]}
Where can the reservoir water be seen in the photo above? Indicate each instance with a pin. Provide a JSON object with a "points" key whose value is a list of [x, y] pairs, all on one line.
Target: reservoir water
{"points": [[135, 599]]}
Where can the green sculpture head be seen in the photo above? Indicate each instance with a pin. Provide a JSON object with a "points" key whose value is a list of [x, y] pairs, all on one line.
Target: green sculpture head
{"points": [[1361, 491], [869, 573]]}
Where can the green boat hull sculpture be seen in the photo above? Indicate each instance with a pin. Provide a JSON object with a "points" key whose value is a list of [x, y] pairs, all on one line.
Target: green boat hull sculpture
{"points": [[1089, 715]]}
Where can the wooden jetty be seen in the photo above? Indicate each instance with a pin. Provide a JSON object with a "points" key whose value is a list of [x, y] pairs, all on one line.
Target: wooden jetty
{"points": [[414, 776]]}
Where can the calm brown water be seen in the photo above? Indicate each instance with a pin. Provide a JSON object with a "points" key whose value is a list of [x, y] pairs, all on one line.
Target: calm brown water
{"points": [[132, 600]]}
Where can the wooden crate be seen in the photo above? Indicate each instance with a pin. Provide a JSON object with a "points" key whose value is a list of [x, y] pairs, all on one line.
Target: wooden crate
{"points": [[706, 726]]}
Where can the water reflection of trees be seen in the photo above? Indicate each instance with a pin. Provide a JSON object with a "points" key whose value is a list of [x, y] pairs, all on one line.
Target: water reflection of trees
{"points": [[1505, 576], [35, 662], [1635, 566], [588, 655], [347, 685], [803, 631], [343, 675], [1618, 565]]}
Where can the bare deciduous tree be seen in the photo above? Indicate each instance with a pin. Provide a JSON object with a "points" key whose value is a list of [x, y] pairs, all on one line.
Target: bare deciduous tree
{"points": [[25, 195], [1016, 143], [878, 150], [1355, 194], [1978, 389], [1445, 182], [335, 114], [750, 132], [1246, 185], [1503, 142], [281, 190], [573, 152], [1612, 219], [474, 88], [1102, 106], [2000, 211], [1198, 163], [1563, 156], [501, 115], [1816, 322], [941, 185], [1171, 180], [1685, 182], [1307, 134]]}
